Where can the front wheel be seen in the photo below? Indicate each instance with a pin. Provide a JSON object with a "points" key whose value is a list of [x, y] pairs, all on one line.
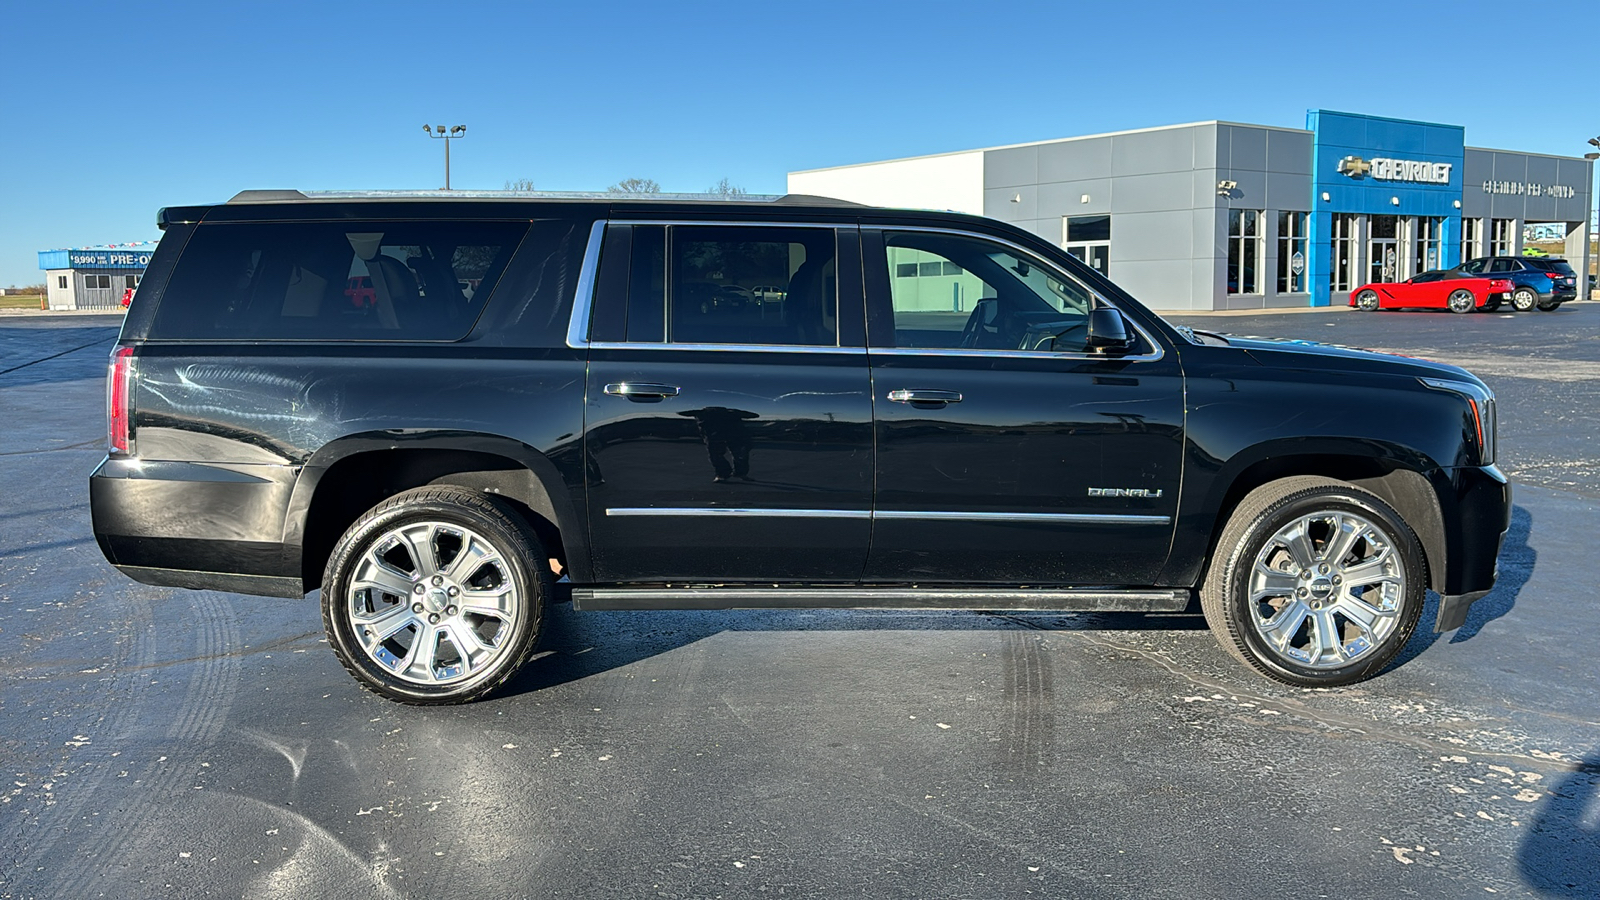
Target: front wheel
{"points": [[1367, 301], [1523, 299], [1549, 305], [1461, 301], [1316, 582], [1492, 305], [435, 596]]}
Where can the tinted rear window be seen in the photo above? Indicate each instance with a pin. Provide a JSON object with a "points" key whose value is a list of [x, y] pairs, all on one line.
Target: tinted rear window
{"points": [[1559, 266], [377, 281]]}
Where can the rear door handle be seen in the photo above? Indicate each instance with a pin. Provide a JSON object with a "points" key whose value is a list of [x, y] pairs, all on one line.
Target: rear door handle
{"points": [[925, 398], [642, 392]]}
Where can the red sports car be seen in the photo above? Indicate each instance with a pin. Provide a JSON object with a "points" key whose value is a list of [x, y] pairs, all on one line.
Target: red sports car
{"points": [[1433, 290]]}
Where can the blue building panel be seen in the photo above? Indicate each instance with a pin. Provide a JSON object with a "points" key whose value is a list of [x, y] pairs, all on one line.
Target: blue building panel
{"points": [[1375, 166]]}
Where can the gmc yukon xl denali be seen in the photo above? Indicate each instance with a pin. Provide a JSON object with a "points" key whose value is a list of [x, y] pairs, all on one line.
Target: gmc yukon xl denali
{"points": [[781, 402]]}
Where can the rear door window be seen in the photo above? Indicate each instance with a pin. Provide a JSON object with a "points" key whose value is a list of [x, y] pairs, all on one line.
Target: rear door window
{"points": [[731, 284], [420, 281]]}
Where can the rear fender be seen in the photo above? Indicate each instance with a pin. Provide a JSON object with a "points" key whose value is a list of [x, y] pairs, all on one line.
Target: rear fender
{"points": [[492, 463]]}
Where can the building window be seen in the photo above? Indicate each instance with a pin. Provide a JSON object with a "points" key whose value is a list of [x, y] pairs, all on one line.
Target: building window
{"points": [[1244, 251], [1383, 250], [130, 281], [1471, 235], [1089, 239], [1291, 252], [1502, 237], [61, 282], [1426, 257], [1342, 274]]}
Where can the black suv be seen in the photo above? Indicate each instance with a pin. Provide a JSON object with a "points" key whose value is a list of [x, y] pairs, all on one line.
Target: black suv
{"points": [[921, 409], [1545, 282]]}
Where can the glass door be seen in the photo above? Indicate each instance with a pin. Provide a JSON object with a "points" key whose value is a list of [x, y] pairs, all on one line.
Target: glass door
{"points": [[1089, 239], [1383, 250]]}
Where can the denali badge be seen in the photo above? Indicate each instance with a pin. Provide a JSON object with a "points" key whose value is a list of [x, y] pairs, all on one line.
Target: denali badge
{"points": [[1124, 492]]}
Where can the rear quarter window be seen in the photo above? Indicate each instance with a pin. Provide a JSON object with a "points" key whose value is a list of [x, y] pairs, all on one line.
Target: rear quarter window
{"points": [[374, 281]]}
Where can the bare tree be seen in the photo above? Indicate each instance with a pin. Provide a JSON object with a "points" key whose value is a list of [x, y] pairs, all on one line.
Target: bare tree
{"points": [[521, 184], [635, 186], [726, 189]]}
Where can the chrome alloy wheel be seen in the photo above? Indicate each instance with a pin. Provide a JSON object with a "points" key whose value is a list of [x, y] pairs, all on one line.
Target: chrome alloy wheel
{"points": [[1462, 301], [1326, 589], [433, 603]]}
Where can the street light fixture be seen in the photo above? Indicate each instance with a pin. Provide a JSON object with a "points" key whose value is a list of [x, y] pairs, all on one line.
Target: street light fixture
{"points": [[454, 133], [1593, 246]]}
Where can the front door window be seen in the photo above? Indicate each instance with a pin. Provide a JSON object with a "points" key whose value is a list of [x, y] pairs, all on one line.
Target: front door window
{"points": [[950, 291]]}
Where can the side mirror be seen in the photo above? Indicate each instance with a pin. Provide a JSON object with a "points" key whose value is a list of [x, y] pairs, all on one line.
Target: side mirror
{"points": [[1107, 332]]}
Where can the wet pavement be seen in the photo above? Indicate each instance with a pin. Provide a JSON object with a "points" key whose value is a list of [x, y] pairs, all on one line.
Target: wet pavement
{"points": [[168, 743]]}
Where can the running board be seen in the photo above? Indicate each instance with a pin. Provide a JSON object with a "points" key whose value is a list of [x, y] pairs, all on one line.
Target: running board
{"points": [[740, 597]]}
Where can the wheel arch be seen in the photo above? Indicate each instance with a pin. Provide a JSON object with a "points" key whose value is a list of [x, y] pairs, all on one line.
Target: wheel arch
{"points": [[1404, 488], [348, 476]]}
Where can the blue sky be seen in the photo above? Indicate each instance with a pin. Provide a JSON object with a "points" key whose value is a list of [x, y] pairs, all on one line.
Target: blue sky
{"points": [[112, 111]]}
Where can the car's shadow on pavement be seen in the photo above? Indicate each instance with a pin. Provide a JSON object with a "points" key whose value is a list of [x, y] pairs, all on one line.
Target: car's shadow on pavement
{"points": [[576, 645], [1560, 857], [1517, 560]]}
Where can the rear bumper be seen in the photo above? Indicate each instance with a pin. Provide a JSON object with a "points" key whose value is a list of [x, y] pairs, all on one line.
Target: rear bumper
{"points": [[193, 525], [1476, 502]]}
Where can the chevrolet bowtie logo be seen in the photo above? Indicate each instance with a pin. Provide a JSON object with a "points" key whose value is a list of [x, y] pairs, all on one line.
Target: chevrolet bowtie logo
{"points": [[1354, 166]]}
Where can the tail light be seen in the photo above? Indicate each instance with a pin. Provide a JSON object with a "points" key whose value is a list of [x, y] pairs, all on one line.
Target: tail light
{"points": [[119, 398]]}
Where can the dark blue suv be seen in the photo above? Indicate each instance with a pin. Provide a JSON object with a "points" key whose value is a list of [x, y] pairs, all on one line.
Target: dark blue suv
{"points": [[1536, 281]]}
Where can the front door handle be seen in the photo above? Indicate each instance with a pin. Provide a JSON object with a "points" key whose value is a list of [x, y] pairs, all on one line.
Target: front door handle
{"points": [[642, 392], [925, 399]]}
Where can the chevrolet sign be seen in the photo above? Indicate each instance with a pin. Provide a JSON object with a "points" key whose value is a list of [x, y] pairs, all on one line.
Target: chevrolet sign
{"points": [[1385, 169]]}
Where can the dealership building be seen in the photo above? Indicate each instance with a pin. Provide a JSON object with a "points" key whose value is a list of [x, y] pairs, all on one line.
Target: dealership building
{"points": [[1222, 215], [93, 277]]}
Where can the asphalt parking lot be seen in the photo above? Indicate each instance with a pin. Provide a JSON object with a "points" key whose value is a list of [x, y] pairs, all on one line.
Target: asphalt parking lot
{"points": [[166, 743]]}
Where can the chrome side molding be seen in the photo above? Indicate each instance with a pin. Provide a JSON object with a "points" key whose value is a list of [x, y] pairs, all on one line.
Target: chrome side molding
{"points": [[1046, 518]]}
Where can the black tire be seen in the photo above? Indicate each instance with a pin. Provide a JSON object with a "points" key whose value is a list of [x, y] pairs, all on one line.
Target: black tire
{"points": [[1492, 304], [506, 638], [1461, 300], [1524, 299], [1254, 525], [1367, 301], [1548, 305]]}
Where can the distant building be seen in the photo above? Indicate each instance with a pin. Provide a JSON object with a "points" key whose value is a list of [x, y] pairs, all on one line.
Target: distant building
{"points": [[1221, 215], [94, 277]]}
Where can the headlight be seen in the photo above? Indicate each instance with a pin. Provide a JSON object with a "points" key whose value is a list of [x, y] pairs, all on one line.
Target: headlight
{"points": [[1481, 399]]}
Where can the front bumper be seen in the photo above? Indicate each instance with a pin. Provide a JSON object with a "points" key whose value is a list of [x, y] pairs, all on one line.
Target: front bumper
{"points": [[1476, 503]]}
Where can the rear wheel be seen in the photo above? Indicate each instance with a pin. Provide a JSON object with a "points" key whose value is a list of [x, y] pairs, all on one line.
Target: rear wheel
{"points": [[1548, 305], [1492, 305], [1461, 301], [435, 596], [1315, 582], [1523, 299], [1367, 300]]}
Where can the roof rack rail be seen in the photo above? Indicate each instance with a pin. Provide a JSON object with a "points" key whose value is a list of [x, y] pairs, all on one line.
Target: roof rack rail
{"points": [[293, 196]]}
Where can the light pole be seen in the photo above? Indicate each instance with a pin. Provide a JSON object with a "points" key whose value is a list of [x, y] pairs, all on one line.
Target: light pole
{"points": [[438, 131], [1592, 244]]}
